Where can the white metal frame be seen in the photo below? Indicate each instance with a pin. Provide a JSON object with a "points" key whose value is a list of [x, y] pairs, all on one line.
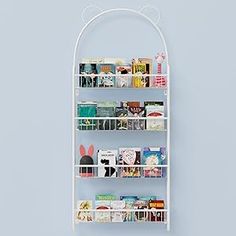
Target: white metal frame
{"points": [[74, 94]]}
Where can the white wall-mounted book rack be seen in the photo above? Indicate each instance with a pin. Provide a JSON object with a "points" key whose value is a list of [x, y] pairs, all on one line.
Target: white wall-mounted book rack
{"points": [[93, 169]]}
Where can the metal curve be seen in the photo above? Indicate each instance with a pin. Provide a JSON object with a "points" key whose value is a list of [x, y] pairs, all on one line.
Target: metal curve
{"points": [[119, 10]]}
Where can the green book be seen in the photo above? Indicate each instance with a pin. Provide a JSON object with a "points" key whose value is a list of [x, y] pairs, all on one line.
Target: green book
{"points": [[87, 109]]}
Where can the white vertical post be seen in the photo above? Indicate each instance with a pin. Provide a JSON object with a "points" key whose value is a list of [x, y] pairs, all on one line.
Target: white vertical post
{"points": [[168, 148], [73, 146]]}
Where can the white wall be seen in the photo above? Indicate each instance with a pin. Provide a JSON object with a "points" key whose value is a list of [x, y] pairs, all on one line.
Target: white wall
{"points": [[37, 40]]}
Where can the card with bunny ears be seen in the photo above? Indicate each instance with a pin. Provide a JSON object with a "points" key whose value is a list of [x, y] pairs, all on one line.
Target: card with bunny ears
{"points": [[86, 159]]}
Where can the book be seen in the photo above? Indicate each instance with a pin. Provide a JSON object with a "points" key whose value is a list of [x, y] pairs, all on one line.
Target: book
{"points": [[156, 110], [130, 156], [138, 71], [121, 124], [153, 156], [141, 205], [117, 216], [106, 158], [105, 216], [87, 109], [148, 63], [141, 67], [106, 109], [136, 124], [129, 204], [89, 75], [84, 216], [156, 215], [108, 197], [106, 75], [123, 81]]}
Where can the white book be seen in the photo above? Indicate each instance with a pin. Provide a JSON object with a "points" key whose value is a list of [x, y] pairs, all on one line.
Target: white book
{"points": [[107, 161], [155, 111], [117, 216]]}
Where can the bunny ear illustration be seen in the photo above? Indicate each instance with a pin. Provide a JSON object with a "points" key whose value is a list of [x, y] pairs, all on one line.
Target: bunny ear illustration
{"points": [[82, 150], [91, 150]]}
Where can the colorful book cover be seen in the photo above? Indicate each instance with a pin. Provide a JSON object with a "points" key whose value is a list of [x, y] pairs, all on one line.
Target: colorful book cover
{"points": [[129, 204], [118, 216], [105, 159], [123, 81], [155, 109], [148, 63], [87, 109], [106, 109], [106, 75], [89, 75], [136, 124], [156, 215], [100, 216], [121, 124], [139, 70], [153, 156], [84, 216], [130, 156], [141, 205]]}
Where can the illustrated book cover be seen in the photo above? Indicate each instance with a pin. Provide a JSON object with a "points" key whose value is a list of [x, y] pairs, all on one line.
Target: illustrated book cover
{"points": [[87, 109], [153, 156], [130, 156], [156, 215], [121, 124], [117, 216], [105, 159], [102, 205], [88, 76], [86, 215], [106, 109], [123, 81], [106, 76], [129, 204], [156, 110]]}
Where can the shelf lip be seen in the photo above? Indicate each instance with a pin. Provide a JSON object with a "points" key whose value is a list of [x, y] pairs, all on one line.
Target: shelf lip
{"points": [[122, 210], [122, 130], [125, 166], [124, 88], [120, 118], [122, 222], [121, 75]]}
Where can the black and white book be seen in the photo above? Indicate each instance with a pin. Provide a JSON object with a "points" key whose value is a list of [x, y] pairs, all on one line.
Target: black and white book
{"points": [[107, 161]]}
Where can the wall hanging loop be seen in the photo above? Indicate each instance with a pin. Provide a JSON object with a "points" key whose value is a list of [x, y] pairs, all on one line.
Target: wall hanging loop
{"points": [[89, 12], [152, 12]]}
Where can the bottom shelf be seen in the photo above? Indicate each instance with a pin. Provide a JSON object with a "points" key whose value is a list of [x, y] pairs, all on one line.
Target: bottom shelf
{"points": [[121, 216]]}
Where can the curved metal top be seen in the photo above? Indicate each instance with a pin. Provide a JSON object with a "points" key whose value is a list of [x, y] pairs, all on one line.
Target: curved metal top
{"points": [[118, 10]]}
